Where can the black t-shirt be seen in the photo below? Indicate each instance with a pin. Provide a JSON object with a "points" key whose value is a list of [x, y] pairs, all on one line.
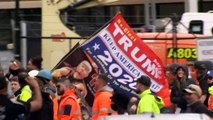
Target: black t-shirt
{"points": [[10, 109], [46, 111]]}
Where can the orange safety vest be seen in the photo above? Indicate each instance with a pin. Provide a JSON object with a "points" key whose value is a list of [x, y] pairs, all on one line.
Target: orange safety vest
{"points": [[102, 104], [210, 100], [55, 107], [73, 112]]}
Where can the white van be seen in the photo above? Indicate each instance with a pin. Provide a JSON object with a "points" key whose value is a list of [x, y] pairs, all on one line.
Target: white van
{"points": [[197, 23]]}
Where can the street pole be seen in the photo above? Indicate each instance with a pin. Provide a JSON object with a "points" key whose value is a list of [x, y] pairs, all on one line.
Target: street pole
{"points": [[23, 49], [147, 12], [17, 31], [174, 32]]}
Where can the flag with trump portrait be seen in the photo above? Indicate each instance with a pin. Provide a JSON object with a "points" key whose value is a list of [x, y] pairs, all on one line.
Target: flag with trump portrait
{"points": [[77, 65], [121, 55]]}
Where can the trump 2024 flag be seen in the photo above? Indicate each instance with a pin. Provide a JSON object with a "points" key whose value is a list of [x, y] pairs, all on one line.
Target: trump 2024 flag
{"points": [[121, 55]]}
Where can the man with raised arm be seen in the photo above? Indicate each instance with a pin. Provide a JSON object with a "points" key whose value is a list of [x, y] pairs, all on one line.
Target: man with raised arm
{"points": [[10, 109]]}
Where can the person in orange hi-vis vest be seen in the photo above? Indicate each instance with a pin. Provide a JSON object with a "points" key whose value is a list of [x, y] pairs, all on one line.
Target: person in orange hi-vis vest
{"points": [[55, 107], [102, 101], [69, 108]]}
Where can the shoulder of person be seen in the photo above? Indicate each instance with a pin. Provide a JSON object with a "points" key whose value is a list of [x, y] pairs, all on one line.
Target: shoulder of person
{"points": [[190, 80]]}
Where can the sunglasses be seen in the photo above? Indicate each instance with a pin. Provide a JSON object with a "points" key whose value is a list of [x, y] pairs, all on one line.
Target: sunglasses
{"points": [[209, 77]]}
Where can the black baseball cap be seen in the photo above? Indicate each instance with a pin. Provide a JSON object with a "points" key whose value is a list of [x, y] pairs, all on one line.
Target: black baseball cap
{"points": [[3, 82], [145, 80], [200, 65]]}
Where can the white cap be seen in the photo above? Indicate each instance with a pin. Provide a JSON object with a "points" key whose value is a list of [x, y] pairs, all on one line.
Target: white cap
{"points": [[33, 73]]}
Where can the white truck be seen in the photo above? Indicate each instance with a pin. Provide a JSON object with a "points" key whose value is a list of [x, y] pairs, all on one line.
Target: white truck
{"points": [[197, 23]]}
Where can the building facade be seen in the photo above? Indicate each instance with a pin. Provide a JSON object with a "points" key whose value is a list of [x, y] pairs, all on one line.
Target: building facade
{"points": [[84, 21]]}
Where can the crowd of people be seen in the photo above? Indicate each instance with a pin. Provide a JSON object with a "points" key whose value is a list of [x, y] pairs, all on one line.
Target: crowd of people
{"points": [[36, 93]]}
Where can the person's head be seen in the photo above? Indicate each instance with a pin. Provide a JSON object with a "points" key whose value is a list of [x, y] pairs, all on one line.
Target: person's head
{"points": [[62, 85], [101, 81], [14, 67], [82, 70], [22, 78], [81, 87], [200, 67], [173, 67], [167, 71], [14, 82], [35, 63], [192, 93], [3, 85], [143, 83], [210, 77], [170, 71], [180, 72], [44, 76]]}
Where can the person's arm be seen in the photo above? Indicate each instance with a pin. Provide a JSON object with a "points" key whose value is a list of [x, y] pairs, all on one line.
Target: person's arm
{"points": [[132, 105], [36, 103], [204, 88]]}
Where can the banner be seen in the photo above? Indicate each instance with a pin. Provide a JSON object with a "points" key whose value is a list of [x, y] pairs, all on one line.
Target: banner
{"points": [[121, 55], [77, 65]]}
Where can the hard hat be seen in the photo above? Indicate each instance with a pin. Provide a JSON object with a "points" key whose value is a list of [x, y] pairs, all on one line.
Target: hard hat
{"points": [[44, 74]]}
